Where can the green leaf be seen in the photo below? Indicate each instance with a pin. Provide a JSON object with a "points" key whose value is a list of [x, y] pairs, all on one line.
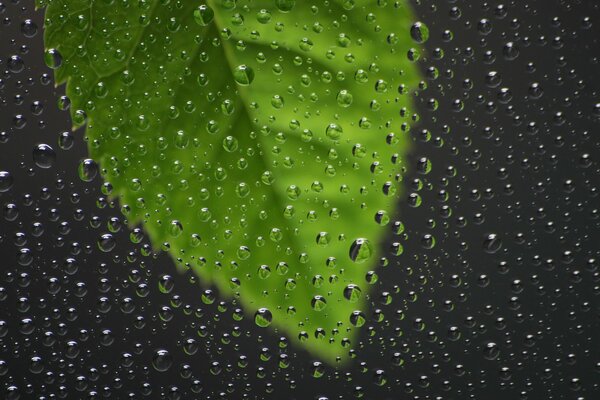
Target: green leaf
{"points": [[261, 141]]}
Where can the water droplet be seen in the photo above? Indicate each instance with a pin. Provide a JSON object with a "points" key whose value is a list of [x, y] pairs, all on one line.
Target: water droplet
{"points": [[318, 303], [88, 170], [419, 32], [6, 181], [263, 16], [15, 64], [263, 317], [264, 271], [162, 360], [357, 318], [230, 144], [333, 131], [52, 58], [510, 51], [190, 346], [285, 5], [175, 228], [293, 192], [29, 28], [166, 284], [106, 242], [243, 75], [361, 250], [492, 243], [491, 351], [323, 238], [44, 156], [66, 140], [344, 98], [352, 292], [204, 15]]}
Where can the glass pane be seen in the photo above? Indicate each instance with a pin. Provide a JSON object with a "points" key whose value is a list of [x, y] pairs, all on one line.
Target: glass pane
{"points": [[281, 199]]}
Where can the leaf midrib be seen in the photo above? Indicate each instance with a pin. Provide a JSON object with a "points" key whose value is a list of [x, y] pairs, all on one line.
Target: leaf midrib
{"points": [[228, 51], [132, 51]]}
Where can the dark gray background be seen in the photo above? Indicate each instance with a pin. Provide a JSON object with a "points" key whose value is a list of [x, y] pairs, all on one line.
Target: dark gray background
{"points": [[535, 176]]}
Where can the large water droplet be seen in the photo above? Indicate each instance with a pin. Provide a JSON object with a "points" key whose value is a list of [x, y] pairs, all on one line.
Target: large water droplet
{"points": [[88, 169], [492, 243], [53, 58], [44, 156], [285, 5], [162, 360], [419, 32], [204, 15], [263, 317], [6, 181], [318, 303], [352, 292], [243, 75], [361, 250]]}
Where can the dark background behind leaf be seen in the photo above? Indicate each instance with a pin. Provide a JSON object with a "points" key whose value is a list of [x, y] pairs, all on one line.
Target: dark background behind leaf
{"points": [[526, 177]]}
